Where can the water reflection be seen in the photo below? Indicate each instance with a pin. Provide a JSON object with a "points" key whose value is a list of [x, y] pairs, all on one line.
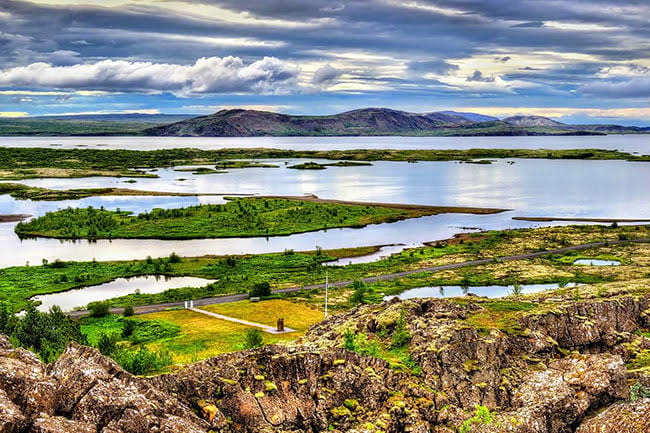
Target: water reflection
{"points": [[484, 291], [118, 287], [627, 143], [596, 262], [612, 189]]}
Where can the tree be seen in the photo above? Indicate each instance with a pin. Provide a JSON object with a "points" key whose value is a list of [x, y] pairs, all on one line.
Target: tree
{"points": [[99, 309], [6, 325], [358, 295], [260, 289], [253, 339], [107, 344], [129, 328]]}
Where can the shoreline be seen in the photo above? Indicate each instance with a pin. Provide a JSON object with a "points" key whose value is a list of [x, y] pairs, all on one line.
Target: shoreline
{"points": [[589, 220], [437, 209], [12, 218]]}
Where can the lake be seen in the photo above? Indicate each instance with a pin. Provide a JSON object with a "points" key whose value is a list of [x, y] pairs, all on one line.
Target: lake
{"points": [[562, 188], [627, 143]]}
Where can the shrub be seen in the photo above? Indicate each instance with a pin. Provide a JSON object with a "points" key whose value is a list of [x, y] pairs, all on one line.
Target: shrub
{"points": [[349, 340], [358, 296], [99, 309], [260, 289], [482, 416], [144, 361], [107, 343], [253, 339], [401, 336], [174, 258], [128, 311], [638, 391], [128, 328]]}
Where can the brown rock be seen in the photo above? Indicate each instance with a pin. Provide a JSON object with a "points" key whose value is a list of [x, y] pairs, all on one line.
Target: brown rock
{"points": [[57, 424], [624, 417], [11, 418]]}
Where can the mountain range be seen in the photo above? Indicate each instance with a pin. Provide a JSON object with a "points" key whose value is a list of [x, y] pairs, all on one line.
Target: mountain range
{"points": [[254, 123], [374, 121]]}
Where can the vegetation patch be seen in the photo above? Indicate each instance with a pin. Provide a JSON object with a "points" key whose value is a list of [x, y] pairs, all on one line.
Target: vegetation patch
{"points": [[27, 163], [238, 217]]}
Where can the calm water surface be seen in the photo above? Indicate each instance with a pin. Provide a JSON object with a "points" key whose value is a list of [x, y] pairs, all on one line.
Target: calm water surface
{"points": [[628, 143], [596, 262], [597, 189], [485, 291], [119, 287]]}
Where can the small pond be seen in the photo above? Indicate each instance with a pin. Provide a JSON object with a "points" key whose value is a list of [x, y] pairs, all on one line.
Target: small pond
{"points": [[596, 262], [486, 291], [71, 299]]}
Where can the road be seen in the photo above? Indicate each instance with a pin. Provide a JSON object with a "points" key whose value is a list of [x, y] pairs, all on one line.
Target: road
{"points": [[144, 309]]}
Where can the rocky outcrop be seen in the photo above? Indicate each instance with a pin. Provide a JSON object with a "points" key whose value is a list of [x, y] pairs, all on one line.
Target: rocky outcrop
{"points": [[624, 417], [546, 366]]}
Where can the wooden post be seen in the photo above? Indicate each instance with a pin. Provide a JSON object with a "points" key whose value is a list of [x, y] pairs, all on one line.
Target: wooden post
{"points": [[280, 327]]}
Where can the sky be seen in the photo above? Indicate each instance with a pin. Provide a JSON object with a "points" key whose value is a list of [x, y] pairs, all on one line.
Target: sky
{"points": [[575, 61]]}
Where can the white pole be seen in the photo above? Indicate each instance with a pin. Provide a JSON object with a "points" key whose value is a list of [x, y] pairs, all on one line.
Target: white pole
{"points": [[326, 290]]}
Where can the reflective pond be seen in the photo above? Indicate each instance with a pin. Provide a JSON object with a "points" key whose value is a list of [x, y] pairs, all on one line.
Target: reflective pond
{"points": [[596, 262], [485, 291], [119, 287]]}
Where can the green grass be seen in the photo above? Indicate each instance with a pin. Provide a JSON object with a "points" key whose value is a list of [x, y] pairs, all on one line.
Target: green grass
{"points": [[317, 166], [25, 192], [239, 217], [202, 336], [237, 274], [24, 163]]}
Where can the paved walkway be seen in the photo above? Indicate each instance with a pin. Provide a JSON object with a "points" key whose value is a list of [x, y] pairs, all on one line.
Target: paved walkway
{"points": [[265, 328]]}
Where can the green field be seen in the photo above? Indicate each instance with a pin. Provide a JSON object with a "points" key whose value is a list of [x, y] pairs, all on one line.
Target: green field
{"points": [[239, 217], [238, 274]]}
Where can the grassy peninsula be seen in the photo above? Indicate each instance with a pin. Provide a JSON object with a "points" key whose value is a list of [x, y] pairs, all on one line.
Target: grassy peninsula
{"points": [[239, 217], [25, 192]]}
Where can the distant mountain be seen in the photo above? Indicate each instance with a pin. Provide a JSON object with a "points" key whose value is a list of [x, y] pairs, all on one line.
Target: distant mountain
{"points": [[472, 117], [87, 124], [248, 123], [372, 121], [252, 123], [128, 117]]}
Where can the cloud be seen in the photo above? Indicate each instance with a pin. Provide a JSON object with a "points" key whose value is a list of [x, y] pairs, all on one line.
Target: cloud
{"points": [[503, 59], [638, 87], [206, 75], [439, 67], [478, 76], [325, 74]]}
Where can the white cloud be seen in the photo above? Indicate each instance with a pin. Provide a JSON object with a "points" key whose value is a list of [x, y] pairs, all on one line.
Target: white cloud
{"points": [[206, 75], [558, 112]]}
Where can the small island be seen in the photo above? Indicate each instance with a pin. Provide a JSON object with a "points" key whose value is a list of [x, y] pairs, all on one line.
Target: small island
{"points": [[239, 217]]}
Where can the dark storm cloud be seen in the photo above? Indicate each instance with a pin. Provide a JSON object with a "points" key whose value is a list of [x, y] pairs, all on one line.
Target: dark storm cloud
{"points": [[325, 74], [637, 87], [478, 76]]}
